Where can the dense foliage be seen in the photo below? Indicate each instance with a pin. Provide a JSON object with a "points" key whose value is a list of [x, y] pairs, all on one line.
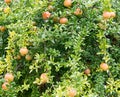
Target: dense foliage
{"points": [[55, 48]]}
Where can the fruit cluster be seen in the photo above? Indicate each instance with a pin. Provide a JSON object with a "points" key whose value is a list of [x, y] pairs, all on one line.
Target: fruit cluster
{"points": [[8, 79], [108, 15], [24, 52], [62, 20]]}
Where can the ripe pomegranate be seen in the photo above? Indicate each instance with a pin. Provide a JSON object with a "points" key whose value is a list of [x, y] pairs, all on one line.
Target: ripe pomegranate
{"points": [[78, 12], [87, 71], [104, 66], [9, 77], [106, 15], [7, 1], [44, 78], [46, 15], [63, 20], [23, 51], [68, 3], [112, 14], [72, 92], [2, 28], [4, 86]]}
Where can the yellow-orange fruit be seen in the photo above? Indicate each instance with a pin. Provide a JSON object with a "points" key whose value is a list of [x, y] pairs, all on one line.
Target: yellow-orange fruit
{"points": [[78, 12], [63, 20], [23, 51], [112, 14], [46, 15], [4, 86], [68, 3], [7, 1], [9, 77], [87, 71], [104, 66], [44, 78], [2, 28], [106, 15], [72, 92]]}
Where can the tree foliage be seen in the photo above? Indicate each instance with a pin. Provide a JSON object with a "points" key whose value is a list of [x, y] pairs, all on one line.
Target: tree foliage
{"points": [[62, 52]]}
